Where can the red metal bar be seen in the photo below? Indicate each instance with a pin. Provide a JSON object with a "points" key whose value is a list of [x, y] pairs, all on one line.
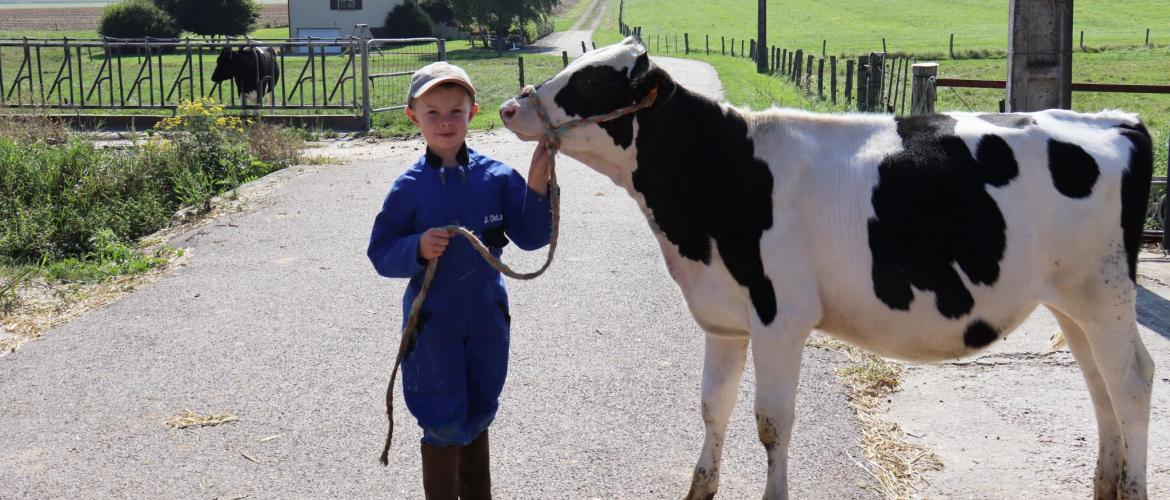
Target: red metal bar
{"points": [[1080, 87]]}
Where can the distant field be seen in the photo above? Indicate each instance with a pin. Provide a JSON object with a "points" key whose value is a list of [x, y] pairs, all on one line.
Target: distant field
{"points": [[21, 20], [916, 26]]}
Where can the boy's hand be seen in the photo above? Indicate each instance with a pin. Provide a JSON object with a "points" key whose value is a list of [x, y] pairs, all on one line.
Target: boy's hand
{"points": [[538, 173], [433, 243]]}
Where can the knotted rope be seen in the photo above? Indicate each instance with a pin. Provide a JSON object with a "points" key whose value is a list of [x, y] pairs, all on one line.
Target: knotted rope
{"points": [[552, 136]]}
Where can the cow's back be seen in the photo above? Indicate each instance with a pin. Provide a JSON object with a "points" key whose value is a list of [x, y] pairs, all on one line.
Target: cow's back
{"points": [[949, 228]]}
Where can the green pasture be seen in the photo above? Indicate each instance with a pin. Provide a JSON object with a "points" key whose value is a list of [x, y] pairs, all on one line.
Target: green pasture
{"points": [[920, 27]]}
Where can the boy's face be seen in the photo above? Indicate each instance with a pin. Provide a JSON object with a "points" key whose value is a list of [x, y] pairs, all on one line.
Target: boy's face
{"points": [[442, 115]]}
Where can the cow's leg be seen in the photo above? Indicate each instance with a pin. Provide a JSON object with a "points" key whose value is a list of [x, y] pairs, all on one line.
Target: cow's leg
{"points": [[777, 356], [1106, 316], [1109, 443], [723, 364]]}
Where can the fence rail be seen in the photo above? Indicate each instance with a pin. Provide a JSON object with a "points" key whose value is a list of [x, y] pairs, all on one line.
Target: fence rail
{"points": [[346, 75]]}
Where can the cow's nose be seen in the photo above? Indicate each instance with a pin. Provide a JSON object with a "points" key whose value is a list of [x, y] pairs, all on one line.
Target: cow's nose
{"points": [[509, 109]]}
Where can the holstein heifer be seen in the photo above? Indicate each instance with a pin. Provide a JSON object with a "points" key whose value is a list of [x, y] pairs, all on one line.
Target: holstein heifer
{"points": [[253, 68], [918, 238]]}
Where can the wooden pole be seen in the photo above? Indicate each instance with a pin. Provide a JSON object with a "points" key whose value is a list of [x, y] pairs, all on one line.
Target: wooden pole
{"points": [[707, 44], [687, 42], [722, 45], [833, 79], [862, 83], [761, 37], [848, 82], [808, 75], [797, 62], [783, 61], [952, 50], [520, 62], [873, 92], [821, 78], [583, 49], [922, 96], [565, 57]]}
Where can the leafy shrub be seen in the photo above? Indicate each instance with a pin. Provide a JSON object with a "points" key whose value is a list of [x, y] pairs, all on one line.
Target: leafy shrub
{"points": [[409, 20], [137, 19], [70, 201]]}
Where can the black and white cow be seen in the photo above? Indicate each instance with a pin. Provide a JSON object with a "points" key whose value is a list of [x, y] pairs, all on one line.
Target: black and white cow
{"points": [[919, 238], [253, 68]]}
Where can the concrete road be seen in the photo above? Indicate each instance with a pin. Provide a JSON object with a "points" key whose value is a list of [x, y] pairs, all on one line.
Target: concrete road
{"points": [[278, 318]]}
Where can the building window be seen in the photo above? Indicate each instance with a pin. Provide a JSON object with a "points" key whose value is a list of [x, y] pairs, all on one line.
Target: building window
{"points": [[345, 4]]}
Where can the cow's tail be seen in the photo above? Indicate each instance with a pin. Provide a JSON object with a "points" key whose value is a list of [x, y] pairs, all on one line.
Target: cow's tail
{"points": [[1135, 190]]}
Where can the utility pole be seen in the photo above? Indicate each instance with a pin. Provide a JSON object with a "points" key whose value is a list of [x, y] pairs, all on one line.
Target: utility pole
{"points": [[762, 39], [1039, 55]]}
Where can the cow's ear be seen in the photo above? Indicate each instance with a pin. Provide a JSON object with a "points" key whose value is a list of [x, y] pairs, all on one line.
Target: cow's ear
{"points": [[641, 65]]}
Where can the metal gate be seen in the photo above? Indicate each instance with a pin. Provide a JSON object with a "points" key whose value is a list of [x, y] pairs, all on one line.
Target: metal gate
{"points": [[334, 76]]}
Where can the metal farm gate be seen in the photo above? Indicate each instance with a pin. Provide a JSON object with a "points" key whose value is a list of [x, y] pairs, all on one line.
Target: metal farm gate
{"points": [[348, 77]]}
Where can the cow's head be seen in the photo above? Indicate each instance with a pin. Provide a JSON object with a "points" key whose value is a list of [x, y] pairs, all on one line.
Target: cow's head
{"points": [[599, 82], [226, 65]]}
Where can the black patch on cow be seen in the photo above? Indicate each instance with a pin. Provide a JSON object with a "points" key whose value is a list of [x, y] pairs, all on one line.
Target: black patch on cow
{"points": [[1135, 191], [979, 334], [932, 211], [1074, 172], [596, 90], [1008, 120], [697, 171]]}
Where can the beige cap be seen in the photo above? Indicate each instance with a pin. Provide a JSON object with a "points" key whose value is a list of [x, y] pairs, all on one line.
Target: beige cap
{"points": [[435, 74]]}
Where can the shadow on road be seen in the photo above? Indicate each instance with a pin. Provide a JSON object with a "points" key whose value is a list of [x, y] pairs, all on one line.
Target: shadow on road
{"points": [[1153, 312]]}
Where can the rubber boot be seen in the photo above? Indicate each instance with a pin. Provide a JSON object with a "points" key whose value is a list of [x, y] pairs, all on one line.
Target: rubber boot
{"points": [[440, 468], [475, 477]]}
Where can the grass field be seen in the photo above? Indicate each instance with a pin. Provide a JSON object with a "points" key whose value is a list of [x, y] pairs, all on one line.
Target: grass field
{"points": [[921, 27]]}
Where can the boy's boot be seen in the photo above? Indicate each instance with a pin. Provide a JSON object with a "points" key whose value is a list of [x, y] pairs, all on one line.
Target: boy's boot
{"points": [[440, 468], [475, 478]]}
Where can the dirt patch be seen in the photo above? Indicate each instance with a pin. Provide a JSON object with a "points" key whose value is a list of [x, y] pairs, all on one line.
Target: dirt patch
{"points": [[83, 18]]}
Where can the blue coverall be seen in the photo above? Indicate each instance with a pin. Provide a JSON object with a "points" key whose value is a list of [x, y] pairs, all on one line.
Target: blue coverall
{"points": [[453, 375]]}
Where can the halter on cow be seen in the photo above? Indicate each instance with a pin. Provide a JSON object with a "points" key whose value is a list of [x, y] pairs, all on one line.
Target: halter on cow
{"points": [[922, 238]]}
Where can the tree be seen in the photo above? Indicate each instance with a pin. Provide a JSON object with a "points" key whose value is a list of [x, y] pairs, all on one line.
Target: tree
{"points": [[137, 19], [441, 11], [408, 20], [500, 16], [214, 17]]}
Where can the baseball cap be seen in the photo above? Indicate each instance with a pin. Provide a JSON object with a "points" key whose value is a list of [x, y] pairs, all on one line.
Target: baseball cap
{"points": [[438, 73]]}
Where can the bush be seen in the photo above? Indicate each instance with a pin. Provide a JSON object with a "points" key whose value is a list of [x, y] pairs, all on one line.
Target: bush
{"points": [[409, 20], [214, 17], [137, 19], [75, 201]]}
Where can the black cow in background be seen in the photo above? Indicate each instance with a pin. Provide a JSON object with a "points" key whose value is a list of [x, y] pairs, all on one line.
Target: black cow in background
{"points": [[253, 68]]}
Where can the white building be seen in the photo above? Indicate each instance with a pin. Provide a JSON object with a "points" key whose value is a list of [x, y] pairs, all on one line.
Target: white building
{"points": [[334, 18]]}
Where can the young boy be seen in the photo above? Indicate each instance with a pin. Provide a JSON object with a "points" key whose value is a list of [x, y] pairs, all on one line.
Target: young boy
{"points": [[453, 375]]}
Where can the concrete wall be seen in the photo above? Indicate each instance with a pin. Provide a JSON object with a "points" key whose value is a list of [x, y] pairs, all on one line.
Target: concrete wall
{"points": [[315, 14]]}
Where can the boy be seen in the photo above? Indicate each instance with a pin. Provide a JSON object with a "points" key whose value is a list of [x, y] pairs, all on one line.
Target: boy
{"points": [[453, 374]]}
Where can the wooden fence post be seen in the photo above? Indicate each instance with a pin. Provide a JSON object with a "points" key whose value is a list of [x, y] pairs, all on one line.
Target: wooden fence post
{"points": [[862, 82], [1147, 37], [676, 42], [833, 79], [732, 46], [687, 42], [583, 49], [707, 44], [808, 76], [824, 47], [594, 45], [741, 44], [796, 69], [821, 78], [565, 57], [873, 91], [923, 94], [783, 61], [656, 43], [848, 82], [520, 61], [1082, 40], [722, 45], [952, 46]]}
